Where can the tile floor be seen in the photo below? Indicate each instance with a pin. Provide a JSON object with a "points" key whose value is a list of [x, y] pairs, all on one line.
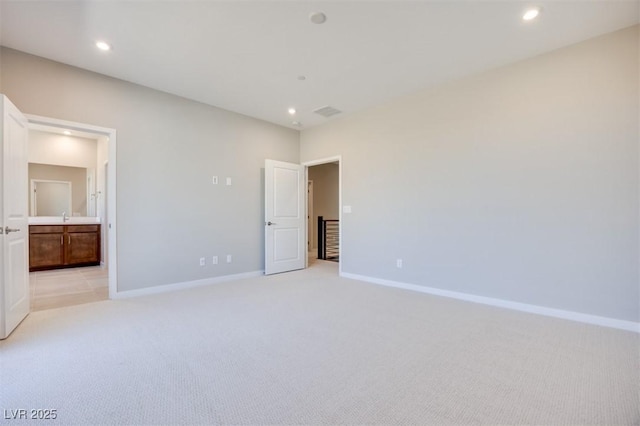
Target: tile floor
{"points": [[66, 287]]}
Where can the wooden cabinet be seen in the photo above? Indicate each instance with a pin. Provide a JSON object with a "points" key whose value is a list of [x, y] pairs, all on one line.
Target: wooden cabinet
{"points": [[62, 246], [82, 244], [46, 246]]}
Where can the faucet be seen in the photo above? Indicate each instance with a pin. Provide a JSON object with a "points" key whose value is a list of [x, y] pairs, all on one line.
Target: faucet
{"points": [[64, 217]]}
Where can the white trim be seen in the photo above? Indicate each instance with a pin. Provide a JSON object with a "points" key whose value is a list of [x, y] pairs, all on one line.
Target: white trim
{"points": [[321, 161], [112, 259], [523, 307], [327, 160], [186, 285], [310, 222], [70, 125]]}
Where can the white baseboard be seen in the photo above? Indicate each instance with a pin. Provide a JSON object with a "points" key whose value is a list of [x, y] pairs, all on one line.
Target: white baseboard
{"points": [[185, 285], [534, 309]]}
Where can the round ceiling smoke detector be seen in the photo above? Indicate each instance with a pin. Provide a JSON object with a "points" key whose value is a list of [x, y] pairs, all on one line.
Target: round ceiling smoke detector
{"points": [[318, 18]]}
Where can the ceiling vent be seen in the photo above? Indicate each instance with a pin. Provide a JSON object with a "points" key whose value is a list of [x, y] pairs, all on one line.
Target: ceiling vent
{"points": [[327, 111]]}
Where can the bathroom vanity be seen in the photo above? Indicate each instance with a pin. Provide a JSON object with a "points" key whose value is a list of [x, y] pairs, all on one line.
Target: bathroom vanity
{"points": [[53, 246]]}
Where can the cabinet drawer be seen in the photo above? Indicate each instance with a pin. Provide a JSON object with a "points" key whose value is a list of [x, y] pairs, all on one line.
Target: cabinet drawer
{"points": [[82, 228], [46, 229]]}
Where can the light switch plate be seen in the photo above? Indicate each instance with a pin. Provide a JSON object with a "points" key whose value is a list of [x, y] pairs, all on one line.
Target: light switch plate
{"points": [[228, 181], [214, 180]]}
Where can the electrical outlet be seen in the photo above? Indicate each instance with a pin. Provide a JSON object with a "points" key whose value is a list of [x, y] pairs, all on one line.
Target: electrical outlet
{"points": [[214, 180], [398, 263], [228, 258], [214, 260], [202, 261]]}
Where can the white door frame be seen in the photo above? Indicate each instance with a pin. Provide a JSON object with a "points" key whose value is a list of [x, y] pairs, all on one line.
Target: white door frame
{"points": [[309, 214], [318, 162], [111, 233]]}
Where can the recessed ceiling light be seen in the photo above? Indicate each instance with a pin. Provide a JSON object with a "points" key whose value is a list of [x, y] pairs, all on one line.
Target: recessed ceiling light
{"points": [[103, 45], [318, 18], [531, 14], [292, 111], [66, 132]]}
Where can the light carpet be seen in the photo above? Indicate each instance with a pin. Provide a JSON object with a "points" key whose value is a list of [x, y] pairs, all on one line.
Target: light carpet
{"points": [[308, 347]]}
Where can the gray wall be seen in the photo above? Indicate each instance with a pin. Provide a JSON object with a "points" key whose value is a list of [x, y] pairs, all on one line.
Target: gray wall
{"points": [[168, 212], [520, 183], [325, 179]]}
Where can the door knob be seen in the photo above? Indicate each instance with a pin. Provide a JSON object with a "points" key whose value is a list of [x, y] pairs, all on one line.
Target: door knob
{"points": [[271, 223], [7, 230]]}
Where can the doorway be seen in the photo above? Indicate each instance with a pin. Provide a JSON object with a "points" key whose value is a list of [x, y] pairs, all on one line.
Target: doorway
{"points": [[96, 282], [324, 198]]}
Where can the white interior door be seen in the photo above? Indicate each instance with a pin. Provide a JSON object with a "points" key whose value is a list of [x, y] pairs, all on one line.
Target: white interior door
{"points": [[14, 284], [285, 224]]}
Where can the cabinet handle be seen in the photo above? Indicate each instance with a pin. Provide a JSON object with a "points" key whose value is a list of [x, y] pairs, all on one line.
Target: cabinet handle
{"points": [[61, 240], [69, 239]]}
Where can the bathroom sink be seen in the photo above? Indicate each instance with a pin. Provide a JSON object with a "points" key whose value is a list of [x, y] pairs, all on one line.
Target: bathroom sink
{"points": [[57, 220]]}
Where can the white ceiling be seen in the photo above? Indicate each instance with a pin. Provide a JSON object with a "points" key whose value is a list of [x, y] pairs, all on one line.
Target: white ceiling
{"points": [[246, 56]]}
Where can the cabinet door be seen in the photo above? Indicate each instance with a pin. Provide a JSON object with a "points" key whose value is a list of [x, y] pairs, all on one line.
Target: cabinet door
{"points": [[82, 247], [46, 250]]}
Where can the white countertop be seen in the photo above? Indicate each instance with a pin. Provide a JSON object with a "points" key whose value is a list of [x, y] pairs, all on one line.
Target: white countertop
{"points": [[57, 220]]}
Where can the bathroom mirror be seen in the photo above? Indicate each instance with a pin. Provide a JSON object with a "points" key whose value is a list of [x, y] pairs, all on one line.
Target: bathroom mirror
{"points": [[50, 198], [57, 189]]}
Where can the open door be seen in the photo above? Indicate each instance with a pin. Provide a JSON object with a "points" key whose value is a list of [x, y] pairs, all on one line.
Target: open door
{"points": [[14, 265], [285, 224]]}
